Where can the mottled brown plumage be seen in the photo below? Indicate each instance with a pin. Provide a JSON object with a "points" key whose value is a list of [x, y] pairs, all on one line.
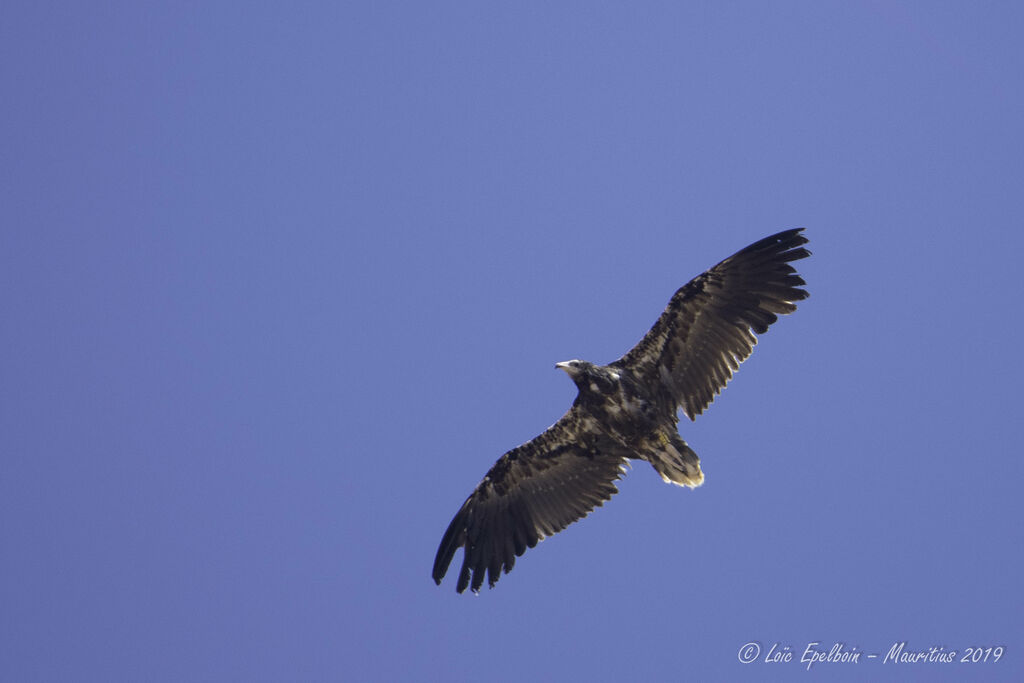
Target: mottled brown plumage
{"points": [[626, 410]]}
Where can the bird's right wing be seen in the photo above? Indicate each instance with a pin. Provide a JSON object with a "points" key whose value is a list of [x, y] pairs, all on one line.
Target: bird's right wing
{"points": [[533, 491]]}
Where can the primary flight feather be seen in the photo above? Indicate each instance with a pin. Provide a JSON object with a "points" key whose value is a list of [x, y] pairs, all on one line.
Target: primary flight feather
{"points": [[626, 410]]}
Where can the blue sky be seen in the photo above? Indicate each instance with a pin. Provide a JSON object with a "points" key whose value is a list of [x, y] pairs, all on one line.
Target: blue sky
{"points": [[280, 283]]}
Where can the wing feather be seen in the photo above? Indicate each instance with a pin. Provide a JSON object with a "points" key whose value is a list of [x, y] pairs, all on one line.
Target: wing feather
{"points": [[709, 326], [531, 492]]}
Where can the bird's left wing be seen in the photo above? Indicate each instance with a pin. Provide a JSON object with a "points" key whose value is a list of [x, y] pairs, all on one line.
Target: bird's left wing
{"points": [[709, 326], [533, 491]]}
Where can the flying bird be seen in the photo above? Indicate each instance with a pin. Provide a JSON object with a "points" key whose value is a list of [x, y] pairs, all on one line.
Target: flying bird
{"points": [[626, 410]]}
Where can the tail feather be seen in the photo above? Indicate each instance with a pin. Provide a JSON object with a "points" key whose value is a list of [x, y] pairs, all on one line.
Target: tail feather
{"points": [[676, 462]]}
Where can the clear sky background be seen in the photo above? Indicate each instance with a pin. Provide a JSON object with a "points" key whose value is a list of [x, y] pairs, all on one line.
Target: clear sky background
{"points": [[279, 282]]}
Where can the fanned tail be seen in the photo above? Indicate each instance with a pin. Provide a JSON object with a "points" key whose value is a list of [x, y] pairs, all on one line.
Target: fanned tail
{"points": [[676, 462]]}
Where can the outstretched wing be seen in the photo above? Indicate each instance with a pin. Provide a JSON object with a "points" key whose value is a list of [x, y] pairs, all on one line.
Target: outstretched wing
{"points": [[533, 491], [708, 328]]}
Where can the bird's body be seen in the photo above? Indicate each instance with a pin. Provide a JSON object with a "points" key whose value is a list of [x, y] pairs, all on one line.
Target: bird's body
{"points": [[626, 410], [637, 416]]}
